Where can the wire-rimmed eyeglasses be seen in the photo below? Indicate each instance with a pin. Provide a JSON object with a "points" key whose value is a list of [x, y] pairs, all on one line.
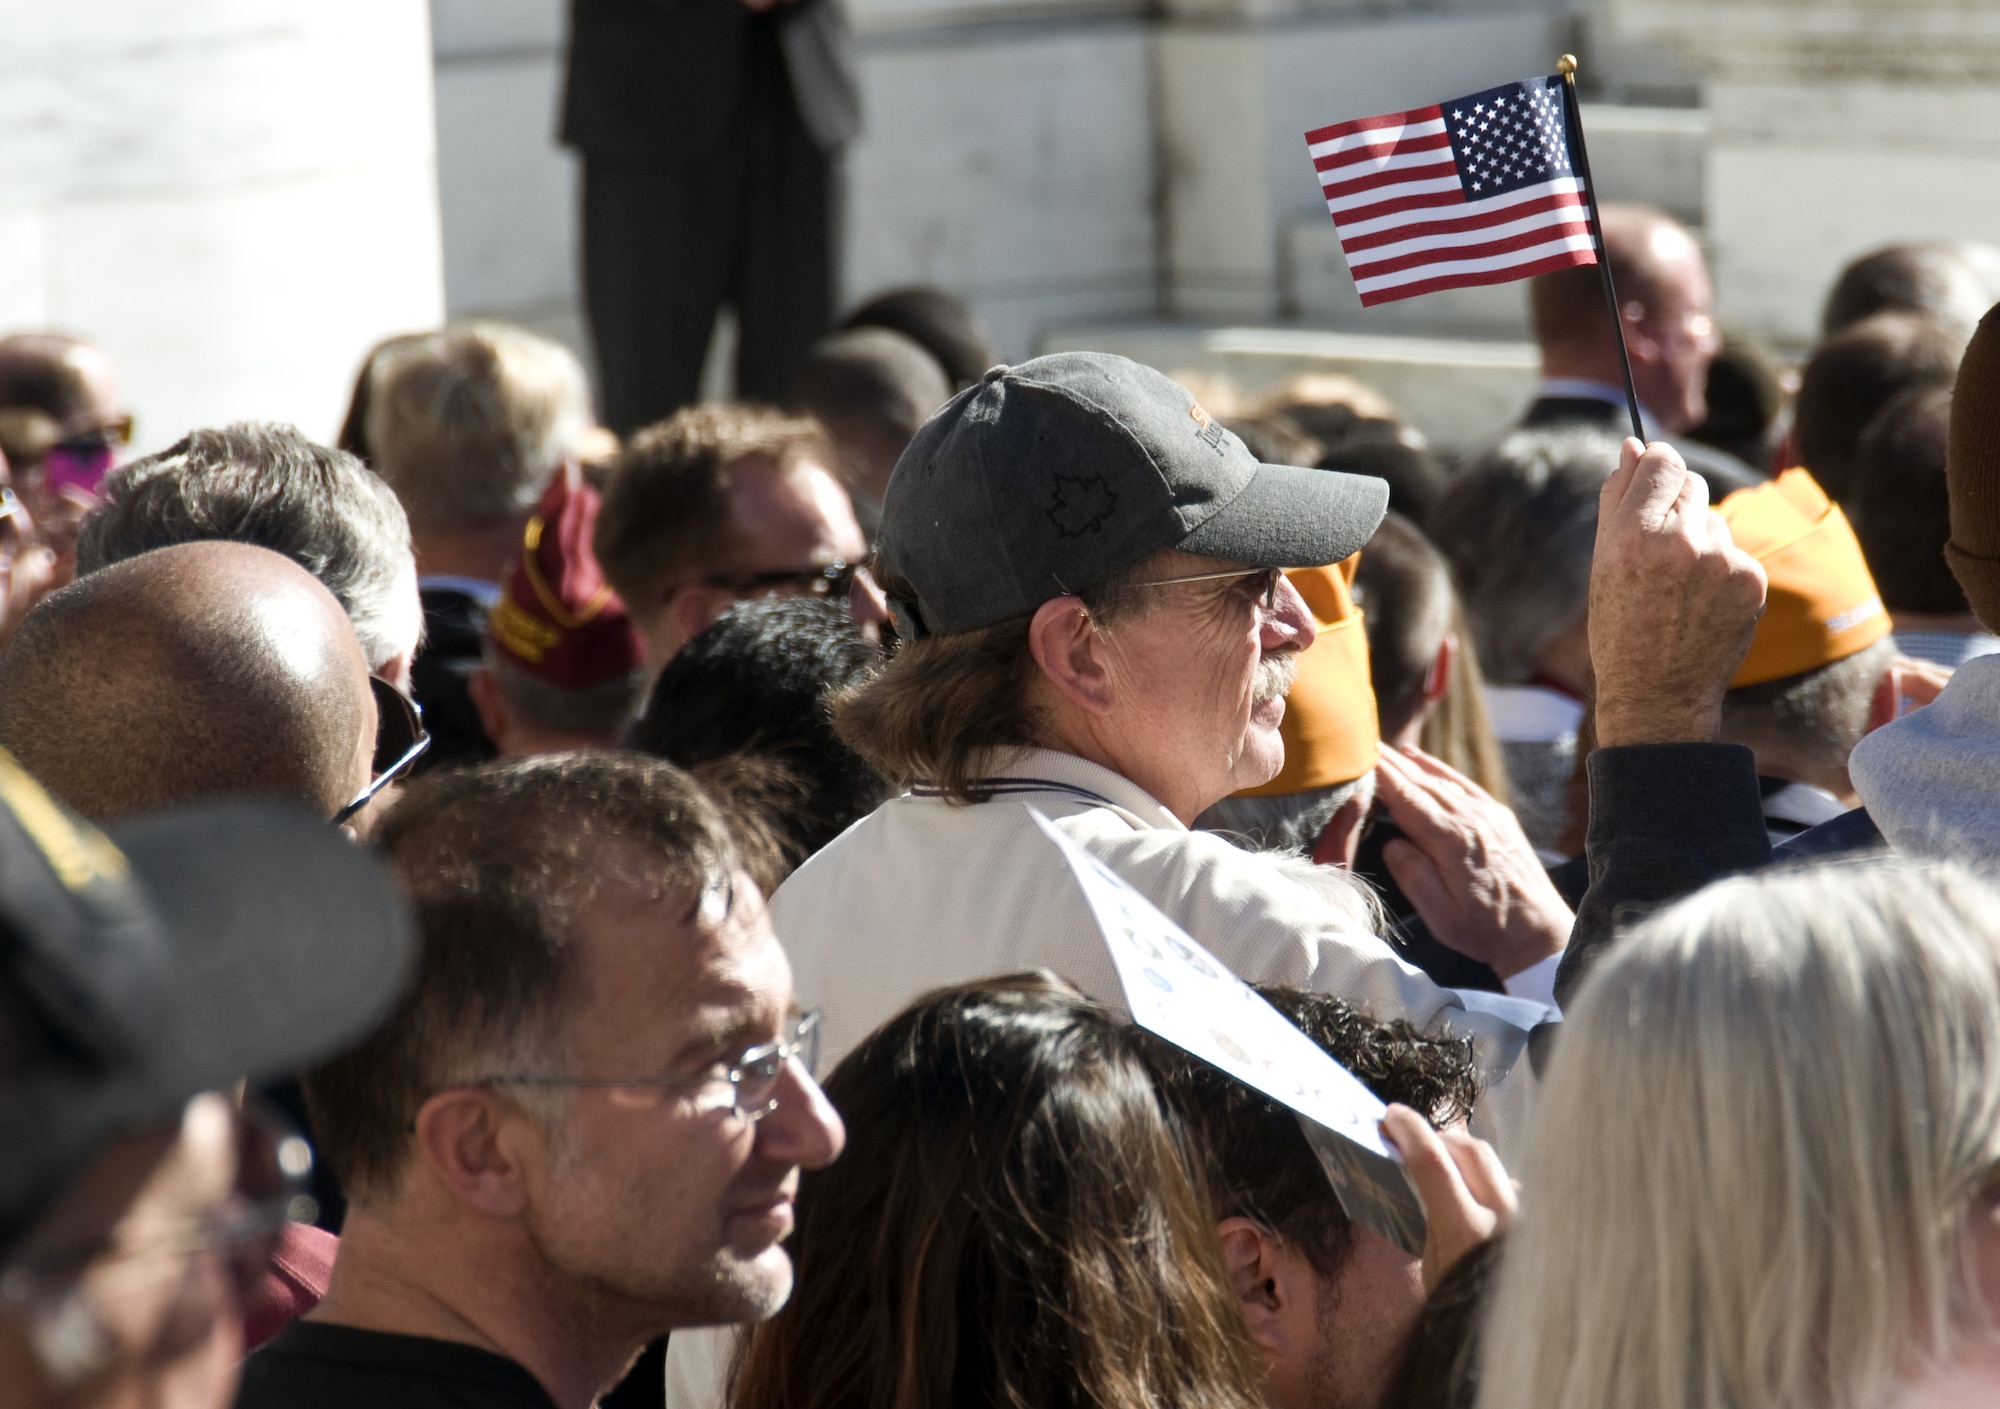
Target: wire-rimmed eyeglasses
{"points": [[752, 1078], [400, 740], [1267, 597]]}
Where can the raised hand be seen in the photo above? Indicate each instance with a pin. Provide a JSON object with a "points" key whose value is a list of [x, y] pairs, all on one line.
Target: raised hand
{"points": [[1673, 601], [1466, 1193]]}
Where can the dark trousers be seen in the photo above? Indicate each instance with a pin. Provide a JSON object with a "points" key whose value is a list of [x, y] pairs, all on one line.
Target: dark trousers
{"points": [[666, 244]]}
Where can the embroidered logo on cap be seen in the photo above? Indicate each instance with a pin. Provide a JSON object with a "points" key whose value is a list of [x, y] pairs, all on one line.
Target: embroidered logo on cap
{"points": [[1081, 506], [1211, 432], [77, 853]]}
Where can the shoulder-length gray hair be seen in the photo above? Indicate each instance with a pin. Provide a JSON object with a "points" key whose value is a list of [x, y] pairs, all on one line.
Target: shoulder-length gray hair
{"points": [[1765, 1127]]}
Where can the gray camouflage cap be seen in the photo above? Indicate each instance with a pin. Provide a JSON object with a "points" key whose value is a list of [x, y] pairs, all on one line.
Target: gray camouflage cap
{"points": [[1049, 477]]}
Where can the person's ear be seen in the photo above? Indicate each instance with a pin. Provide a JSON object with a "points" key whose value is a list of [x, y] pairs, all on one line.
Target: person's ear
{"points": [[1640, 345], [1250, 1260], [471, 1141], [694, 607], [396, 670], [491, 705], [1437, 679], [1070, 651]]}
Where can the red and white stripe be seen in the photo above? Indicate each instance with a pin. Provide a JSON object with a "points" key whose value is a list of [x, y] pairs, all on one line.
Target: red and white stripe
{"points": [[1406, 226]]}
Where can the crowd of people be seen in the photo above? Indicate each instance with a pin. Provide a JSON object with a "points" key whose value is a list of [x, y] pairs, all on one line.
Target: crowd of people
{"points": [[437, 871]]}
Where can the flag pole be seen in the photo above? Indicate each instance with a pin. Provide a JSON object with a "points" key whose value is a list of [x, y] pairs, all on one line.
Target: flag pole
{"points": [[1566, 66]]}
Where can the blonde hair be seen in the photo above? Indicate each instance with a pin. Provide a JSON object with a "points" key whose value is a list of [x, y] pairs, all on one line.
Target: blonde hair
{"points": [[1762, 1132], [468, 424]]}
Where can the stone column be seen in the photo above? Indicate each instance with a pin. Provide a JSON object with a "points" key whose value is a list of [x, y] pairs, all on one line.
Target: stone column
{"points": [[235, 197], [1241, 81], [1835, 128], [1007, 153]]}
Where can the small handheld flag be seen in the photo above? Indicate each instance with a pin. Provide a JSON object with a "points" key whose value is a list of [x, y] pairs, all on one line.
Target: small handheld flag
{"points": [[1484, 189], [1477, 190]]}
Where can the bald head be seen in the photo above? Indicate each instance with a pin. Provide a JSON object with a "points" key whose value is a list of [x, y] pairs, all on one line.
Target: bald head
{"points": [[204, 670], [871, 388], [1665, 299]]}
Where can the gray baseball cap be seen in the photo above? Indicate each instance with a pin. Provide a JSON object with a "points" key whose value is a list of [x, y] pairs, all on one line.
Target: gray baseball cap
{"points": [[1048, 477]]}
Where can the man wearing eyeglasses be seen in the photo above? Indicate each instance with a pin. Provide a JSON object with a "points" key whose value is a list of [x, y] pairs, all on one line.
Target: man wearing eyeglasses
{"points": [[722, 503], [585, 1126], [1667, 306]]}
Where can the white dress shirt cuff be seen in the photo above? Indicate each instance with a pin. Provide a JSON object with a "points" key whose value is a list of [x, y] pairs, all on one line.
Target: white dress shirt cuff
{"points": [[1537, 982]]}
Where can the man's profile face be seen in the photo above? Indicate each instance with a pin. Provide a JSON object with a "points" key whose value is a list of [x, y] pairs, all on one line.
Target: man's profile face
{"points": [[789, 522], [1363, 1314], [791, 518], [669, 1206], [1201, 670], [1674, 378]]}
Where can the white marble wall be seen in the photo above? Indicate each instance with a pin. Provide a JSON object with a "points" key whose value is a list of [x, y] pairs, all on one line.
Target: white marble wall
{"points": [[506, 189], [1836, 127], [1007, 155], [1237, 95], [235, 197], [1011, 162]]}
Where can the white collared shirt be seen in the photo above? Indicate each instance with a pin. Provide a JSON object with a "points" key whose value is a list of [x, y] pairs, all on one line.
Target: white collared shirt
{"points": [[923, 893], [1590, 389]]}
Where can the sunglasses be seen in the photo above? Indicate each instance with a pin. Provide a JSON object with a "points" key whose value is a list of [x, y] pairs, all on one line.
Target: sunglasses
{"points": [[831, 580], [400, 740]]}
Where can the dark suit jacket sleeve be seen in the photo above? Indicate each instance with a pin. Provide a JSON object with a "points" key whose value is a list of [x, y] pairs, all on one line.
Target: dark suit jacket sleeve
{"points": [[1665, 820], [661, 80]]}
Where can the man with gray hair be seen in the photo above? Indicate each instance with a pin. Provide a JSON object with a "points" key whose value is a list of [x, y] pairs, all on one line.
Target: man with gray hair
{"points": [[1087, 574], [268, 485], [468, 425], [1518, 526]]}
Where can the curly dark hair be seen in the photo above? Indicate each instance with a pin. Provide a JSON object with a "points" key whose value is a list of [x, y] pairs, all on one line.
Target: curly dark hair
{"points": [[1257, 1162]]}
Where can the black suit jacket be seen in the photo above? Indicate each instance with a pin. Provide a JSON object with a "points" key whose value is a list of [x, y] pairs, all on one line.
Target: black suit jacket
{"points": [[653, 80], [1724, 472]]}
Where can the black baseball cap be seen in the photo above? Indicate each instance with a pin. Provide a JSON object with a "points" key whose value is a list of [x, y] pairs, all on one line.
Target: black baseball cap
{"points": [[173, 955], [1048, 477]]}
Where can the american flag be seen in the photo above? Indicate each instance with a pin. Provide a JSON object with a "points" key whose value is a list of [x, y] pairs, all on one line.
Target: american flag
{"points": [[1476, 190]]}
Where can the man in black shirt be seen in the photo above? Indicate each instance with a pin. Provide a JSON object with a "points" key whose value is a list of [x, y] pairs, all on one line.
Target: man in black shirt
{"points": [[585, 1126]]}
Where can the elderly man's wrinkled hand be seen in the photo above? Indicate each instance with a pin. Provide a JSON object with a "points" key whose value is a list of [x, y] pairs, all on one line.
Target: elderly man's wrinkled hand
{"points": [[1467, 866], [1673, 601]]}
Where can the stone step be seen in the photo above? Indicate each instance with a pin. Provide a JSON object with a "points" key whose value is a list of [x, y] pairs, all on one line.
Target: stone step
{"points": [[1460, 392]]}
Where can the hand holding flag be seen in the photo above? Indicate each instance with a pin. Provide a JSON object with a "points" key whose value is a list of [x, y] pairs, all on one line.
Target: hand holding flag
{"points": [[1484, 189]]}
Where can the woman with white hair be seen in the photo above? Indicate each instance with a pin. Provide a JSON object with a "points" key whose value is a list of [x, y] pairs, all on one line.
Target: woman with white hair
{"points": [[1768, 1167]]}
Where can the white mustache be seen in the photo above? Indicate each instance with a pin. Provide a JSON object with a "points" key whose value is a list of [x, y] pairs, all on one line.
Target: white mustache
{"points": [[1274, 677]]}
